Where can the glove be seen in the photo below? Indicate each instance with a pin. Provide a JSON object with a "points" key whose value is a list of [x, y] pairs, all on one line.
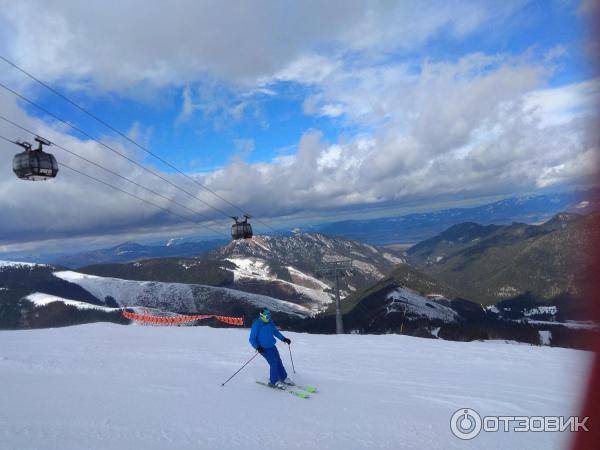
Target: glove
{"points": [[287, 341], [259, 349]]}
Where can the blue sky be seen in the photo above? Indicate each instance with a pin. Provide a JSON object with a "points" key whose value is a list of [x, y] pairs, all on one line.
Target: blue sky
{"points": [[314, 110]]}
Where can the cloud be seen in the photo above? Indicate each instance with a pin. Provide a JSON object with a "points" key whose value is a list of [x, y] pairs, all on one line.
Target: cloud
{"points": [[242, 42], [187, 106], [478, 125], [73, 206], [243, 147], [415, 128]]}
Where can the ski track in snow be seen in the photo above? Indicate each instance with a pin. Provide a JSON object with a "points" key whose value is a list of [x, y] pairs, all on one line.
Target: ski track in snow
{"points": [[105, 386]]}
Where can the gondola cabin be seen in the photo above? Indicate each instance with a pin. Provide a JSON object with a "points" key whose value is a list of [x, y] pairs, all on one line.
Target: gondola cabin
{"points": [[35, 165], [241, 229]]}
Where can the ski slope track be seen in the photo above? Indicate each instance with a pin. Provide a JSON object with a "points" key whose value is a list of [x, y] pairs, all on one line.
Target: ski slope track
{"points": [[105, 386]]}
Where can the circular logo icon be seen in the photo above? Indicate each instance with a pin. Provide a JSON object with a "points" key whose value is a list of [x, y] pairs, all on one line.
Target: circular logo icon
{"points": [[465, 423]]}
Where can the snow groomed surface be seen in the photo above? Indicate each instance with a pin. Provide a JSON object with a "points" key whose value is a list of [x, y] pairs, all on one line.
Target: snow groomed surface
{"points": [[105, 386]]}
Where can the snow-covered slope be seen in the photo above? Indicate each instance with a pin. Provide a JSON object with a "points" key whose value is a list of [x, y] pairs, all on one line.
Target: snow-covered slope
{"points": [[175, 297], [249, 270], [419, 306], [40, 299], [18, 265], [107, 387], [266, 258]]}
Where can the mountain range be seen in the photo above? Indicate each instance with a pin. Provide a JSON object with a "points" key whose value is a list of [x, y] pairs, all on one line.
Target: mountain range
{"points": [[405, 229], [236, 279], [131, 251], [283, 267], [491, 263], [413, 228], [437, 289]]}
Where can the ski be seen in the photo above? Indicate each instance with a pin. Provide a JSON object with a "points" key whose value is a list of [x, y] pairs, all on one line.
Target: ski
{"points": [[310, 389], [289, 391]]}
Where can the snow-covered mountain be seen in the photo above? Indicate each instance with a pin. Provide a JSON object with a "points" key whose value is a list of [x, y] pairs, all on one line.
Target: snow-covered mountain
{"points": [[237, 279], [282, 267], [103, 386], [291, 262], [37, 295], [176, 297]]}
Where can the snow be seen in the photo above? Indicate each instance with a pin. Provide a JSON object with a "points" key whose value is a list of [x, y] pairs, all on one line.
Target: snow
{"points": [[173, 241], [19, 265], [40, 299], [393, 259], [179, 297], [573, 324], [507, 291], [552, 310], [581, 324], [310, 280], [105, 386], [258, 269], [367, 268], [545, 337], [418, 305]]}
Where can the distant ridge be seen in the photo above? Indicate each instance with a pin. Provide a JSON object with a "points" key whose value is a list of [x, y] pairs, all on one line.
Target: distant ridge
{"points": [[412, 228]]}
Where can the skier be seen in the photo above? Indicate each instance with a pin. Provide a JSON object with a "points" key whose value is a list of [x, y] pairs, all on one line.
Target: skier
{"points": [[262, 338]]}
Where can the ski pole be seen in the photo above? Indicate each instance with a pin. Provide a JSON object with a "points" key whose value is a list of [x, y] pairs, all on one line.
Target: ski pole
{"points": [[238, 371], [292, 359]]}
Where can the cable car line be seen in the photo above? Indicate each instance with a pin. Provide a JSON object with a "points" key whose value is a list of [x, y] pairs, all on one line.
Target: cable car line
{"points": [[129, 193], [108, 147], [123, 135], [195, 212]]}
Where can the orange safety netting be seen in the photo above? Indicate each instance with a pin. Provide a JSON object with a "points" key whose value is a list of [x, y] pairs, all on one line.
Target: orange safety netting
{"points": [[181, 319]]}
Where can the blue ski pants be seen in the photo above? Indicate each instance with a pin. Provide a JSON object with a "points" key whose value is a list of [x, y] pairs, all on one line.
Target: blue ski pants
{"points": [[277, 371]]}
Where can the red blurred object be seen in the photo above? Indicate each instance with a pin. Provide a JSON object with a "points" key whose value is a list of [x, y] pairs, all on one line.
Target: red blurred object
{"points": [[591, 408], [591, 439], [148, 318]]}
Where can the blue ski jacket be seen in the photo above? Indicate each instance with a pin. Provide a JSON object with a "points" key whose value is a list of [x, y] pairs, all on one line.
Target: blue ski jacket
{"points": [[264, 334]]}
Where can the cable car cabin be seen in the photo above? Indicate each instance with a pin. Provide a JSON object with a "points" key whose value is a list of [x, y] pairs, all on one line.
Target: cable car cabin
{"points": [[241, 229], [34, 165]]}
